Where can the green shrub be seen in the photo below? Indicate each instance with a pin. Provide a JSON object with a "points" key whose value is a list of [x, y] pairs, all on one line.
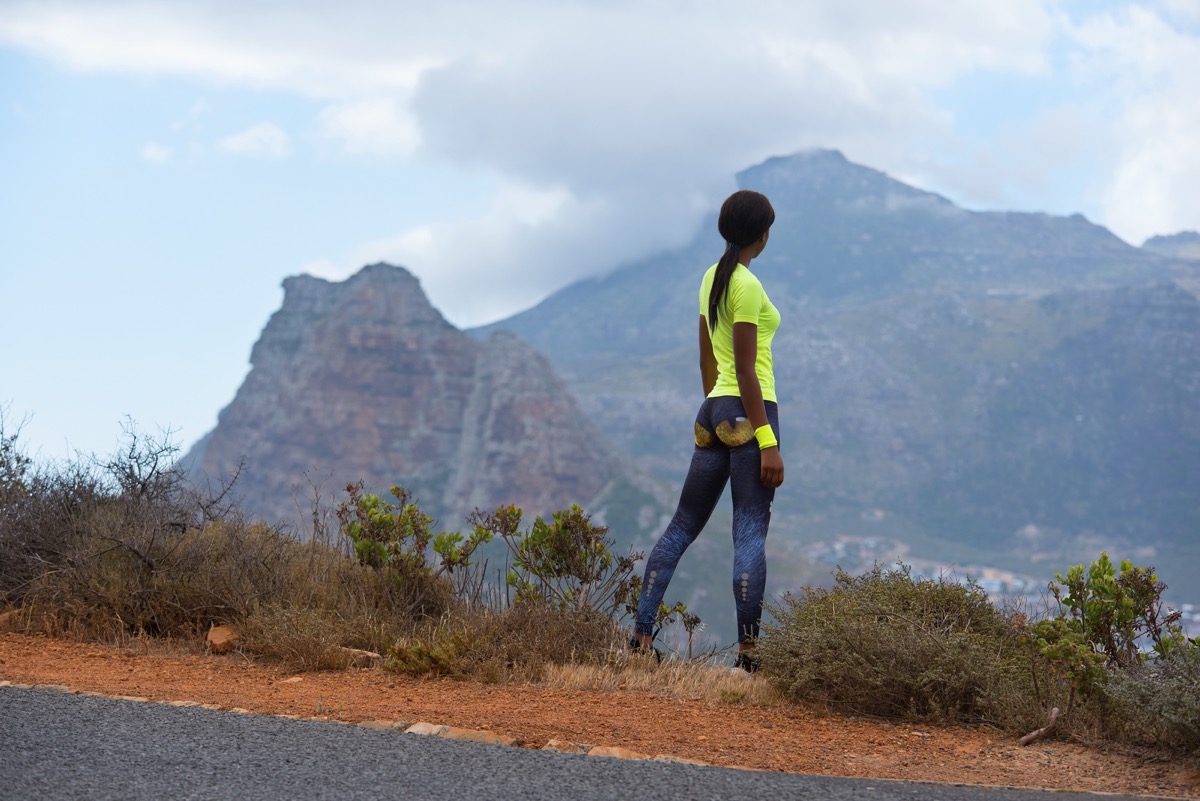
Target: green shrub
{"points": [[567, 563], [1115, 610], [1121, 649], [883, 643], [1065, 668], [394, 539]]}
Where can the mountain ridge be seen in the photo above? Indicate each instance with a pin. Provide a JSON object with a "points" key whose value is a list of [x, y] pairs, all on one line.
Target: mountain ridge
{"points": [[926, 352]]}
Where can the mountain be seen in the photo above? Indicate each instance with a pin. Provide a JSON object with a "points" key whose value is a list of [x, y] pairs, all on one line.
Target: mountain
{"points": [[364, 379], [1183, 245], [968, 387]]}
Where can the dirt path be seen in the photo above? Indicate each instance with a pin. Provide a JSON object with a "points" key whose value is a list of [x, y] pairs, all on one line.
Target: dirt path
{"points": [[777, 738]]}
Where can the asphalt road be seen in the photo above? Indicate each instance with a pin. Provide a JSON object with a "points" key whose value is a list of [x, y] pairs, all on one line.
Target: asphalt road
{"points": [[60, 746]]}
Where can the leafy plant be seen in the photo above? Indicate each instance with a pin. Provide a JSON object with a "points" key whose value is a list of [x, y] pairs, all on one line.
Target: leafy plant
{"points": [[1061, 657], [394, 538], [567, 562], [1117, 610]]}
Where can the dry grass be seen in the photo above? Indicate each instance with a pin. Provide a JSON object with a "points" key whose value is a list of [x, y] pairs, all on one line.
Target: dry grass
{"points": [[515, 643], [692, 680]]}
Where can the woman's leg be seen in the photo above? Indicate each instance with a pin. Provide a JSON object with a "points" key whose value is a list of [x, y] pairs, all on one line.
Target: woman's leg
{"points": [[751, 519], [702, 489]]}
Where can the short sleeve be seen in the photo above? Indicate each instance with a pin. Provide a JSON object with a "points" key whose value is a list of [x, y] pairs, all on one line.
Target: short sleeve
{"points": [[745, 297]]}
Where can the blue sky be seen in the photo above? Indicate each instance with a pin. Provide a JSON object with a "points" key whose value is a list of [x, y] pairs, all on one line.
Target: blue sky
{"points": [[164, 166]]}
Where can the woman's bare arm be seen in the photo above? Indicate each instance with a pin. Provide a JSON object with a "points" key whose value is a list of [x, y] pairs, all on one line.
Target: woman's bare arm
{"points": [[708, 360]]}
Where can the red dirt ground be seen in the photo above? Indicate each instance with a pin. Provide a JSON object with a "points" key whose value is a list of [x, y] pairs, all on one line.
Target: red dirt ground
{"points": [[781, 737]]}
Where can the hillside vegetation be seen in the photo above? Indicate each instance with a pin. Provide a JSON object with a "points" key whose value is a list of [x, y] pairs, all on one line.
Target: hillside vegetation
{"points": [[124, 546]]}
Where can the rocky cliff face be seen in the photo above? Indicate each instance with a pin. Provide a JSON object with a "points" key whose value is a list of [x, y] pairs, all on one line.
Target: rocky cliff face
{"points": [[365, 380]]}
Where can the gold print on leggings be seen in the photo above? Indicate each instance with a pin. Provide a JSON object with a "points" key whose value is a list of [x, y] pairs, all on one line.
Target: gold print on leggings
{"points": [[704, 437], [741, 432]]}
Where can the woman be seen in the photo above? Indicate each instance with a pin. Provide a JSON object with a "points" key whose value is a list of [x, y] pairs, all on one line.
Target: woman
{"points": [[737, 427]]}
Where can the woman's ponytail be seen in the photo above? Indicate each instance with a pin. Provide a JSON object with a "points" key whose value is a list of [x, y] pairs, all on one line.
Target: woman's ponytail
{"points": [[725, 267]]}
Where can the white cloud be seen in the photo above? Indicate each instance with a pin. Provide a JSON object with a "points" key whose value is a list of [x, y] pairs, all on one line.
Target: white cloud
{"points": [[1148, 69], [158, 154], [312, 48], [263, 140], [374, 126], [613, 111], [483, 268]]}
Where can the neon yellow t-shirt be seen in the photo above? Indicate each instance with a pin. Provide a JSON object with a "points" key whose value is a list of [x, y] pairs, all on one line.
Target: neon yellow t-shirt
{"points": [[745, 302]]}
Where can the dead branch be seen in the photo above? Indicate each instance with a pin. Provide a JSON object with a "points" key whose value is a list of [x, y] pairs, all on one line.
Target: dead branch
{"points": [[1045, 731]]}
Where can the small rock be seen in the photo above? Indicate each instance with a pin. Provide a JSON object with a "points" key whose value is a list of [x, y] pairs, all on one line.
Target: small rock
{"points": [[564, 747], [616, 751], [474, 736], [292, 680], [680, 760], [58, 688], [426, 729], [221, 639]]}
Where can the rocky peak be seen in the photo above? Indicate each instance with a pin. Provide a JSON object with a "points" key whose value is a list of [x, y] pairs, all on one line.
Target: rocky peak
{"points": [[364, 379], [825, 179]]}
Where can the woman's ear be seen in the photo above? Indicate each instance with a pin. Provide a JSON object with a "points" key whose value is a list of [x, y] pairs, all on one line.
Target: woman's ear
{"points": [[761, 243]]}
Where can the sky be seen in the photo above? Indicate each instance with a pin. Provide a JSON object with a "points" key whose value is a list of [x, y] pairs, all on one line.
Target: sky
{"points": [[165, 165]]}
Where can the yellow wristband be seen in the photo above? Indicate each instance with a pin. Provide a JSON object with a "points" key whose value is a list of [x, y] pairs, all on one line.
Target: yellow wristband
{"points": [[766, 437]]}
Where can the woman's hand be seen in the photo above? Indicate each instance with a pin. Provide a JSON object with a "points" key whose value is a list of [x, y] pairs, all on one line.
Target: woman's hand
{"points": [[771, 467]]}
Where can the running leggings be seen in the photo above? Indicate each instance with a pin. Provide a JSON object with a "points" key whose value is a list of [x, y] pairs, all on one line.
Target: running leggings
{"points": [[726, 450]]}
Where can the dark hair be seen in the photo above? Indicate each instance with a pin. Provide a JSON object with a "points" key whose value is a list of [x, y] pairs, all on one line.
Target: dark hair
{"points": [[745, 216]]}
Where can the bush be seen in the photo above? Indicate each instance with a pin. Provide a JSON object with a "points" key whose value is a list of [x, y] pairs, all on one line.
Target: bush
{"points": [[1160, 699], [304, 638], [394, 538], [567, 563], [514, 642], [1117, 611], [886, 644], [124, 546]]}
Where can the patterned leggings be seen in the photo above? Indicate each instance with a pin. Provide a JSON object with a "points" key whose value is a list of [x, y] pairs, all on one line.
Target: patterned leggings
{"points": [[725, 451]]}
